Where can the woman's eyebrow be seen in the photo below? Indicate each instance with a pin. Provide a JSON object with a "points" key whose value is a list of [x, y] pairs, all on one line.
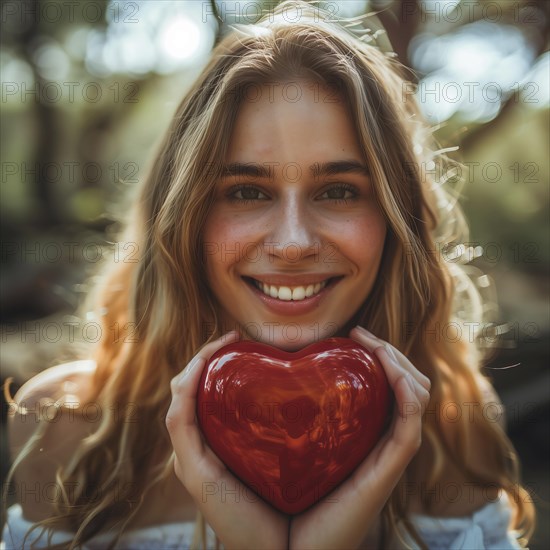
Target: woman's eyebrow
{"points": [[338, 167]]}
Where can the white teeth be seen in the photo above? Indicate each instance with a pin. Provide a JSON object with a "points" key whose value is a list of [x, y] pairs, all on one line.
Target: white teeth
{"points": [[299, 293], [286, 293]]}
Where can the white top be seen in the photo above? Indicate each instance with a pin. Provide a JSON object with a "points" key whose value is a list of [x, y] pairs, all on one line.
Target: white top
{"points": [[486, 529]]}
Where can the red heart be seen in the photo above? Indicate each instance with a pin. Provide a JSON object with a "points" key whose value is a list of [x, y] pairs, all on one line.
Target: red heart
{"points": [[292, 426]]}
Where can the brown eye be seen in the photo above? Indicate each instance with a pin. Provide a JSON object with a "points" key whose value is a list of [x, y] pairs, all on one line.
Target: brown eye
{"points": [[341, 192], [245, 193], [249, 193]]}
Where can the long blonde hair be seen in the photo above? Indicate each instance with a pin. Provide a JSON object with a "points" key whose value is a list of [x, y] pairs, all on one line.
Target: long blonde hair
{"points": [[164, 302]]}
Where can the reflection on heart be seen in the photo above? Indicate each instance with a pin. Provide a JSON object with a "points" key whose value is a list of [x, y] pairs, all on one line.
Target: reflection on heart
{"points": [[292, 426]]}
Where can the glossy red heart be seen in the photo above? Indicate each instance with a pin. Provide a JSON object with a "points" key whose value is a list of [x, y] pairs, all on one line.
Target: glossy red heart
{"points": [[292, 426]]}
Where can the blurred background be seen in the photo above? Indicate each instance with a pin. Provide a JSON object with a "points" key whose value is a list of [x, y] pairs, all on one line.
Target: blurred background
{"points": [[88, 88]]}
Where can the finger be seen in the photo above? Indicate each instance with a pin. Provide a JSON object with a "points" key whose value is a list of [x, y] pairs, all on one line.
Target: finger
{"points": [[184, 386], [410, 398], [184, 391], [394, 371], [372, 343], [194, 458], [391, 455], [180, 418], [419, 376], [406, 428], [407, 425], [423, 396], [392, 368], [190, 375]]}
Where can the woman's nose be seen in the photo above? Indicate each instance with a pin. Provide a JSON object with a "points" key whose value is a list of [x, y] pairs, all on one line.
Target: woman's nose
{"points": [[293, 236]]}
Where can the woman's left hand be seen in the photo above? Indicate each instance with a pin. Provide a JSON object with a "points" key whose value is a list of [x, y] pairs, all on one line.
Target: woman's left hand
{"points": [[343, 518]]}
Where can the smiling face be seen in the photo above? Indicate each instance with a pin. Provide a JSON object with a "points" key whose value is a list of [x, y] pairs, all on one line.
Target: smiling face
{"points": [[295, 236]]}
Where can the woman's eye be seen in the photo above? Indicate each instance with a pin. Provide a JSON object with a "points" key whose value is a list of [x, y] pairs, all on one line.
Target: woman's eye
{"points": [[246, 193], [340, 193]]}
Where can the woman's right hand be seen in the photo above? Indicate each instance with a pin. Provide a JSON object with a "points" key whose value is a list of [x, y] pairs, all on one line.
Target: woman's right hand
{"points": [[238, 521]]}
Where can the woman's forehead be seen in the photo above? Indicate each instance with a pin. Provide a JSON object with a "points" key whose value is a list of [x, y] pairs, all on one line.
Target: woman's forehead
{"points": [[296, 118]]}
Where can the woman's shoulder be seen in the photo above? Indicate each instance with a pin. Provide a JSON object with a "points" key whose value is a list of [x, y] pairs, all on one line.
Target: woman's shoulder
{"points": [[48, 382], [45, 397], [43, 411], [35, 486]]}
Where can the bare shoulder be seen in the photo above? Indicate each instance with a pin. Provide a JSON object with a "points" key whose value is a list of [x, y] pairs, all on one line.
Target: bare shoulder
{"points": [[41, 413], [50, 379], [42, 398], [35, 476]]}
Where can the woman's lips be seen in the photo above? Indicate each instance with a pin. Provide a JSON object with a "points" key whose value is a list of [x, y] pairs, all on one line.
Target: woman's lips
{"points": [[293, 307]]}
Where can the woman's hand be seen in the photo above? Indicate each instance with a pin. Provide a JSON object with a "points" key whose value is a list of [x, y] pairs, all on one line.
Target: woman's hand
{"points": [[238, 521], [343, 518]]}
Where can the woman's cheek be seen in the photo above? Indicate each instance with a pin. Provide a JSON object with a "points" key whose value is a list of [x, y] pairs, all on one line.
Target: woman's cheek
{"points": [[229, 240], [359, 240]]}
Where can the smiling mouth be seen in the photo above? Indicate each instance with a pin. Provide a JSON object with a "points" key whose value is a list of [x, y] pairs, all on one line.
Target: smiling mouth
{"points": [[291, 293]]}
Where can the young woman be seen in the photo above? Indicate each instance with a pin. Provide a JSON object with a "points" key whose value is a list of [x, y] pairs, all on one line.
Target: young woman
{"points": [[288, 201]]}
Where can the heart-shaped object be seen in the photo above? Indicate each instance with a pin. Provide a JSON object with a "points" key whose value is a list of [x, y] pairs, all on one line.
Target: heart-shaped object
{"points": [[292, 426]]}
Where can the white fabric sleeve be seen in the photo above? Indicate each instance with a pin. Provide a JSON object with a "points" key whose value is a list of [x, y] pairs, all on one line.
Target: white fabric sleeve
{"points": [[485, 529]]}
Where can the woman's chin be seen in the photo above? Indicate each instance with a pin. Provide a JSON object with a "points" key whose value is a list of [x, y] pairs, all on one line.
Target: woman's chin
{"points": [[294, 338]]}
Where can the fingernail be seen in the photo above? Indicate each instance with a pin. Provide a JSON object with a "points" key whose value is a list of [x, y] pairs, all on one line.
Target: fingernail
{"points": [[410, 381]]}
